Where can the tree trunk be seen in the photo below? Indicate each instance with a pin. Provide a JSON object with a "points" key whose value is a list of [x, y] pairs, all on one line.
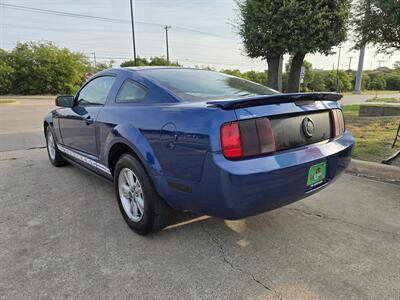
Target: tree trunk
{"points": [[280, 69], [273, 71], [294, 76]]}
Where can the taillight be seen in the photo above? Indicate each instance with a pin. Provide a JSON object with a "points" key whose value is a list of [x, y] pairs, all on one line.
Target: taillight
{"points": [[337, 123], [230, 139], [247, 138]]}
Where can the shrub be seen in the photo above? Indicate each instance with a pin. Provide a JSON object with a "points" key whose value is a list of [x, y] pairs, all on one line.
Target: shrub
{"points": [[43, 68], [376, 81], [153, 61], [318, 82], [7, 73], [393, 82]]}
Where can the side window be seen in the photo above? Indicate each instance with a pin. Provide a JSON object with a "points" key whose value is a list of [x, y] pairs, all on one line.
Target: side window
{"points": [[96, 91], [131, 92]]}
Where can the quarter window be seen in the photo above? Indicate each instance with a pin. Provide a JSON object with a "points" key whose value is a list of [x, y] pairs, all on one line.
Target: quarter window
{"points": [[131, 92], [96, 91]]}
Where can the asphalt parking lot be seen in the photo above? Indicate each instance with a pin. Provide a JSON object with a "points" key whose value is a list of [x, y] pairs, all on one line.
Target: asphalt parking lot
{"points": [[62, 236]]}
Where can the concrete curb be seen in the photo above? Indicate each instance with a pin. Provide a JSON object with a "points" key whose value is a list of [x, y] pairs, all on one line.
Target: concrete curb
{"points": [[374, 170], [379, 110]]}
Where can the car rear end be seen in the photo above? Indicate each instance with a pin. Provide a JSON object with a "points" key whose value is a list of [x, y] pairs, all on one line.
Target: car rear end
{"points": [[275, 154], [267, 149]]}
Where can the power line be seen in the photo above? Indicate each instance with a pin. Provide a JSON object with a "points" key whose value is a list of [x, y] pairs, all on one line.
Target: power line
{"points": [[60, 13], [70, 30], [179, 59], [102, 54], [105, 19], [222, 61], [123, 49], [125, 55], [182, 60]]}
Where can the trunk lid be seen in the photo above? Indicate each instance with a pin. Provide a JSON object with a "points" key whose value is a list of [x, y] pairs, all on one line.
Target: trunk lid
{"points": [[296, 119]]}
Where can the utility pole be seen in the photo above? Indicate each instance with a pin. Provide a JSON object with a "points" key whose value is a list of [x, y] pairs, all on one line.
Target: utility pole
{"points": [[166, 27], [351, 57], [357, 87], [133, 34], [337, 72], [94, 59]]}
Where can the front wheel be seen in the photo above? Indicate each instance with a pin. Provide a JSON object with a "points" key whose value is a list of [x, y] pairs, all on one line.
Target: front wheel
{"points": [[142, 208], [55, 156]]}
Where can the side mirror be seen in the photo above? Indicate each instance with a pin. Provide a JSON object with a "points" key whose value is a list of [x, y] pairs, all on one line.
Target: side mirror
{"points": [[65, 101]]}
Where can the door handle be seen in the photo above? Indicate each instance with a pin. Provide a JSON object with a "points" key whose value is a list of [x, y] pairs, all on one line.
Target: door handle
{"points": [[88, 120]]}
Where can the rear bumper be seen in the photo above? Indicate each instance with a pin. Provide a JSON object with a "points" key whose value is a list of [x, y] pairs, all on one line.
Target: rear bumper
{"points": [[238, 189]]}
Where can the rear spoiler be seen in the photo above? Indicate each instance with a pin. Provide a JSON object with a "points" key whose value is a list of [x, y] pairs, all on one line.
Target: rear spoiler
{"points": [[275, 99]]}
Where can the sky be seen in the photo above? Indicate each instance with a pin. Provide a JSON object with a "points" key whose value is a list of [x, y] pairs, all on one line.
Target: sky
{"points": [[202, 32]]}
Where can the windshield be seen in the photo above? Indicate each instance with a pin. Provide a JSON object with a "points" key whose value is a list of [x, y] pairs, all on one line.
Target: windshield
{"points": [[199, 85]]}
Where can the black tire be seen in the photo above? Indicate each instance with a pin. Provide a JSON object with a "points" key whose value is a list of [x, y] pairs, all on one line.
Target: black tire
{"points": [[57, 160], [157, 213]]}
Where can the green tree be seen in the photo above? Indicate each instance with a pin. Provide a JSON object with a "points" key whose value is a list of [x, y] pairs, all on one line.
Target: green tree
{"points": [[161, 61], [153, 61], [393, 82], [100, 66], [308, 75], [262, 30], [345, 81], [259, 77], [344, 78], [363, 80], [318, 82], [271, 28], [378, 22], [376, 81], [285, 79], [7, 72], [315, 26], [330, 81], [234, 72], [131, 63], [43, 68]]}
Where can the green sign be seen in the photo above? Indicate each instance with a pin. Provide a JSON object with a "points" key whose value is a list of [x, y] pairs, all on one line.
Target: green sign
{"points": [[316, 174]]}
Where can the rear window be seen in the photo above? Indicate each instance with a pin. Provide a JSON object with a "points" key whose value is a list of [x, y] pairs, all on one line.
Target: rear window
{"points": [[199, 85]]}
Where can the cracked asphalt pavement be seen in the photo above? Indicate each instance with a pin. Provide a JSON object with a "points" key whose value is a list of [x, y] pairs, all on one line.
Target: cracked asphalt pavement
{"points": [[62, 236]]}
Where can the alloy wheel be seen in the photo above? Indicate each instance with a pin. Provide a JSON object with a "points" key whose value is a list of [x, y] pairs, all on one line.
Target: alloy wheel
{"points": [[51, 147], [131, 194]]}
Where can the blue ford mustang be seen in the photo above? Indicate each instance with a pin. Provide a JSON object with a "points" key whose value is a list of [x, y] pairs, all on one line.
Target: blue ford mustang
{"points": [[179, 138]]}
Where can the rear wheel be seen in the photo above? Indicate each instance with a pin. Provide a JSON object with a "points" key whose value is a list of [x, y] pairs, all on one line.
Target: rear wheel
{"points": [[55, 156], [142, 208]]}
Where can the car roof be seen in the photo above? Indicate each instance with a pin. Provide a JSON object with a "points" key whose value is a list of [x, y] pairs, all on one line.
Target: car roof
{"points": [[151, 67], [142, 68], [139, 69], [136, 70]]}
